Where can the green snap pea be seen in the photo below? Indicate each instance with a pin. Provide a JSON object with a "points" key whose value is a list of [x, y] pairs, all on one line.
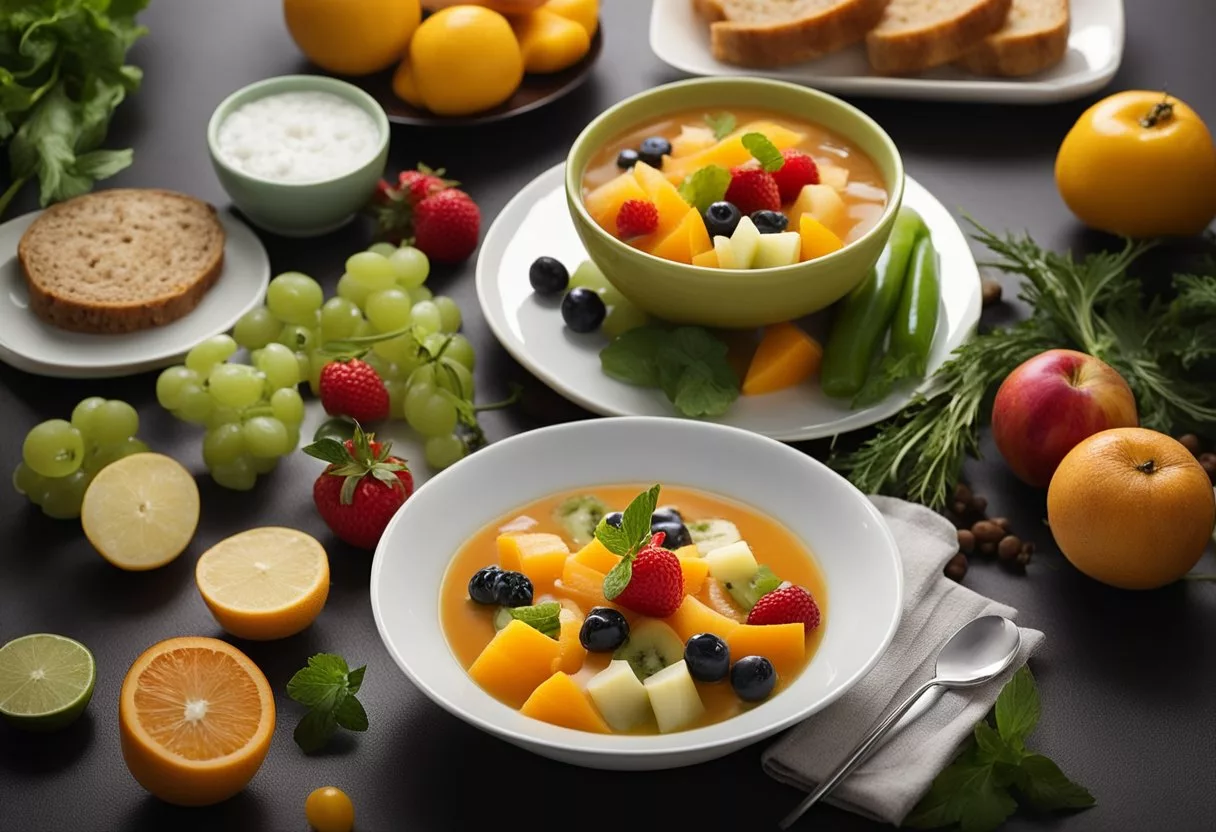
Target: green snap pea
{"points": [[915, 318], [865, 314]]}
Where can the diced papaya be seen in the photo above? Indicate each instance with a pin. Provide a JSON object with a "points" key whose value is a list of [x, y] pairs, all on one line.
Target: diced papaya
{"points": [[824, 204], [817, 238], [698, 235], [560, 701], [666, 198], [689, 551], [721, 602], [597, 556], [604, 203], [581, 584], [549, 41], [693, 617], [695, 569], [707, 260], [515, 661], [686, 240], [786, 356], [539, 556], [730, 151], [573, 653], [585, 13], [782, 644], [691, 140]]}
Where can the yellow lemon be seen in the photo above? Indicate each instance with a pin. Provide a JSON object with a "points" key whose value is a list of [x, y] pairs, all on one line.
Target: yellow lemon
{"points": [[465, 59], [352, 38]]}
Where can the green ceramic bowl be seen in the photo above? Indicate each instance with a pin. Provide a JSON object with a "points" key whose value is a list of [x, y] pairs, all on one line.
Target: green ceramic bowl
{"points": [[681, 293], [299, 209]]}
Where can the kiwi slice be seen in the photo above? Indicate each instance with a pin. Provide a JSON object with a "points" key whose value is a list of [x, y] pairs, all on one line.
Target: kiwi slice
{"points": [[502, 618], [761, 584], [712, 534], [651, 646], [579, 516]]}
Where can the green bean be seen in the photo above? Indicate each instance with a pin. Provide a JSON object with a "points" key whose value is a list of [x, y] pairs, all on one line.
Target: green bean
{"points": [[915, 318]]}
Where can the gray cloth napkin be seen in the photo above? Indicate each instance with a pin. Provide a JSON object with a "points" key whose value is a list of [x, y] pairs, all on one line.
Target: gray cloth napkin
{"points": [[888, 785]]}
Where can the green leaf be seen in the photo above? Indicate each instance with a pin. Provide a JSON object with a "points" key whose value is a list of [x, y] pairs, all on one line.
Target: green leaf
{"points": [[319, 682], [699, 393], [354, 679], [1048, 789], [723, 124], [329, 449], [618, 578], [1018, 708], [989, 806], [635, 521], [614, 539], [632, 536], [632, 357], [315, 729], [350, 714], [943, 804], [695, 374], [764, 151], [543, 617], [102, 164], [992, 748], [705, 186]]}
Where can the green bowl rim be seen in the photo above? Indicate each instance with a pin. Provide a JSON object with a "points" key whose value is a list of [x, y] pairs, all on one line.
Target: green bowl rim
{"points": [[267, 87], [894, 193]]}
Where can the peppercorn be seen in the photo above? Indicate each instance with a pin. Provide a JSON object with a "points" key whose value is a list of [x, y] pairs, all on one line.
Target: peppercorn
{"points": [[987, 549], [959, 509], [990, 291], [1008, 548], [979, 504], [1208, 461], [962, 493], [986, 531], [956, 568], [966, 541], [1003, 522], [1191, 442]]}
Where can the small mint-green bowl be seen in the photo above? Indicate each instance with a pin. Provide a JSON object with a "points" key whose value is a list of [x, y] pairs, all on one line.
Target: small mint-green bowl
{"points": [[299, 209], [730, 298]]}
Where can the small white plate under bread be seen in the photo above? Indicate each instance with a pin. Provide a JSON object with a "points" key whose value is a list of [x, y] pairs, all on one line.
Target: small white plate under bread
{"points": [[680, 38]]}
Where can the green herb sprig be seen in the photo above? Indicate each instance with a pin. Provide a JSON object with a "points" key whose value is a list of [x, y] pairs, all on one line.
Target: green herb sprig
{"points": [[544, 617], [687, 363], [763, 151], [633, 534], [327, 687], [977, 790], [723, 124]]}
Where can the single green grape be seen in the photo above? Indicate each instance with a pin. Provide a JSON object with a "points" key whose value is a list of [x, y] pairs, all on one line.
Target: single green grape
{"points": [[339, 319], [223, 444], [256, 328], [425, 317], [279, 365], [223, 416], [298, 338], [396, 397], [112, 422], [236, 385], [82, 416], [27, 481], [265, 436], [352, 291], [99, 456], [171, 382], [238, 475], [444, 451], [264, 465], [447, 374], [287, 405], [389, 310], [206, 354], [449, 313], [383, 249], [371, 271], [461, 351], [589, 276], [304, 361], [410, 266], [294, 298], [400, 350], [416, 394], [622, 317], [421, 293], [293, 437], [364, 328], [62, 497], [435, 416], [53, 448], [196, 404]]}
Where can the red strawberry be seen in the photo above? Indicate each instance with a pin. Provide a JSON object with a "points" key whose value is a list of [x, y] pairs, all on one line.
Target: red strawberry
{"points": [[787, 604], [352, 388], [753, 189], [419, 184], [636, 218], [361, 488], [656, 587], [798, 171], [384, 193], [446, 226]]}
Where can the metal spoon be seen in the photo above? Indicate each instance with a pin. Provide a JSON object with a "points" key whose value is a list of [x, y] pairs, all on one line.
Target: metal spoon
{"points": [[976, 653]]}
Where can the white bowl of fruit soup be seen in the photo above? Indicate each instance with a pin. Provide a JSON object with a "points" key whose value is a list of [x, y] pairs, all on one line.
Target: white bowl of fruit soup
{"points": [[759, 588]]}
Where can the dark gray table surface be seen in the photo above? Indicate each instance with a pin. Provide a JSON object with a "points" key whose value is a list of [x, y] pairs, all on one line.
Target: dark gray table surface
{"points": [[1128, 680]]}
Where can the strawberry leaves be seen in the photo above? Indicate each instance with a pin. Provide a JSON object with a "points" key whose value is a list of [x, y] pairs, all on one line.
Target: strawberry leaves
{"points": [[362, 458], [633, 534]]}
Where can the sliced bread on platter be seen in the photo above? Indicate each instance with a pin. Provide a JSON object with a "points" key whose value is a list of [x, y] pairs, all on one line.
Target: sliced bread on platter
{"points": [[915, 35], [771, 33], [1034, 38]]}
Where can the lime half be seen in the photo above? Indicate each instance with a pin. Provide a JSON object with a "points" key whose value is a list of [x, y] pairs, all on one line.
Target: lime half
{"points": [[45, 681]]}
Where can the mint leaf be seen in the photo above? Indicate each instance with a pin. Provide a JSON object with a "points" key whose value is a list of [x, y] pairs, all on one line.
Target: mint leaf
{"points": [[989, 805], [632, 357], [723, 124], [695, 374], [350, 714], [705, 186], [314, 730], [327, 687], [319, 682], [614, 539], [354, 679], [992, 748], [943, 804], [764, 151], [699, 394], [618, 578], [1048, 789], [543, 617], [633, 535], [1018, 708]]}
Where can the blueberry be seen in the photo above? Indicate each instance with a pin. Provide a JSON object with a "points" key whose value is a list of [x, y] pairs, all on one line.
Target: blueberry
{"points": [[707, 657], [613, 519], [604, 630], [753, 678], [721, 219], [513, 589], [548, 276], [583, 310], [770, 222], [666, 515], [482, 586], [675, 535], [627, 158], [653, 150]]}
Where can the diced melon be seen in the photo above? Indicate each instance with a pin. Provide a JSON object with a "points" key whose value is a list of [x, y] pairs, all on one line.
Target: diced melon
{"points": [[786, 356], [673, 697], [573, 653], [560, 701], [707, 260], [780, 249], [678, 244], [824, 204], [729, 152], [692, 140], [733, 563], [744, 244], [693, 617], [666, 197], [834, 176], [725, 252], [689, 551], [604, 203], [817, 238], [597, 556], [719, 599], [782, 644], [515, 661], [582, 584], [539, 556], [620, 696], [698, 234], [695, 570]]}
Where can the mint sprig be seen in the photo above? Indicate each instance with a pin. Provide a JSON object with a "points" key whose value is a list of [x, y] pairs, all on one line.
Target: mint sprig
{"points": [[633, 534], [688, 364], [544, 617], [763, 151], [327, 687], [723, 124], [705, 186], [977, 790]]}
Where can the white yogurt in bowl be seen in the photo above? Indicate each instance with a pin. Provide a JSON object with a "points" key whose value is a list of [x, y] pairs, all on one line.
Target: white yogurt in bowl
{"points": [[298, 137]]}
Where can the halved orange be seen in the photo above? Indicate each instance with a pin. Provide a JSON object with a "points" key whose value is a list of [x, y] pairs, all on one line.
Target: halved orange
{"points": [[195, 719]]}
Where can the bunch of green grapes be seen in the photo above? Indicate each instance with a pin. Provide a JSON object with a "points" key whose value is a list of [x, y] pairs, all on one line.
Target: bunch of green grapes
{"points": [[60, 458]]}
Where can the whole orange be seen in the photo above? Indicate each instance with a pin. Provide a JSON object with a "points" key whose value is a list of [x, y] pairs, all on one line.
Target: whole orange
{"points": [[352, 37], [1131, 508]]}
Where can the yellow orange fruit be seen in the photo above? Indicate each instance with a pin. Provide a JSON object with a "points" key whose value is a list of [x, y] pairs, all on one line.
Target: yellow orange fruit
{"points": [[585, 13], [264, 583], [329, 809], [352, 38], [550, 42], [195, 718], [1131, 508], [465, 59]]}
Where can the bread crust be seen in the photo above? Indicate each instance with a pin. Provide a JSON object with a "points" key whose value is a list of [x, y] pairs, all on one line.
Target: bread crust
{"points": [[911, 50], [1019, 54], [761, 45]]}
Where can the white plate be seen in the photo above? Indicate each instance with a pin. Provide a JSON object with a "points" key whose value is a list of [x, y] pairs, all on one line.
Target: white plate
{"points": [[1095, 48], [39, 348], [850, 542], [537, 222]]}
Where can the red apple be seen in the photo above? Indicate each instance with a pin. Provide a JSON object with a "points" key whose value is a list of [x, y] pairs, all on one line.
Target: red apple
{"points": [[1050, 403]]}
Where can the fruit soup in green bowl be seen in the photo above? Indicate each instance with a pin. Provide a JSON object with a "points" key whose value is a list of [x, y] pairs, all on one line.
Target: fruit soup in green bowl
{"points": [[733, 202]]}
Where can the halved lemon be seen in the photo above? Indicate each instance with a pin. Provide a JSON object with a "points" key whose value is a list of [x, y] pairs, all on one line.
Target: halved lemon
{"points": [[195, 719], [264, 583], [141, 511]]}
